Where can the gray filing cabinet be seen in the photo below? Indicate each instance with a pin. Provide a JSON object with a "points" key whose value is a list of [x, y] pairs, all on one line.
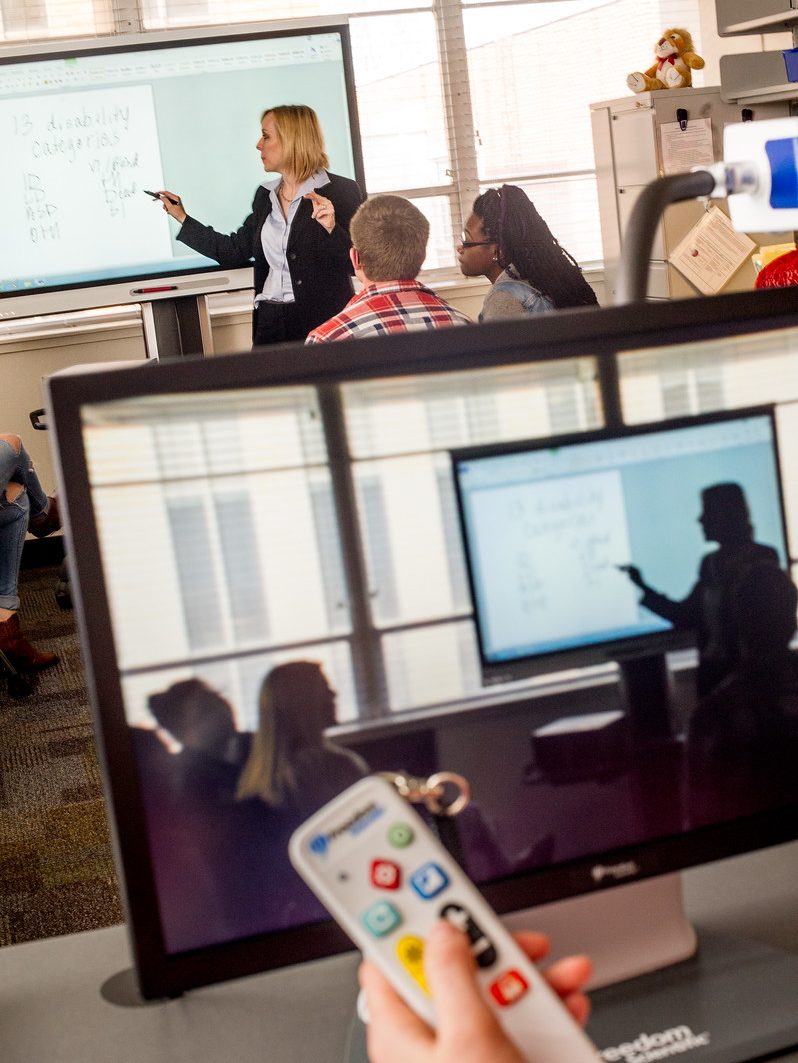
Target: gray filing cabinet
{"points": [[626, 139]]}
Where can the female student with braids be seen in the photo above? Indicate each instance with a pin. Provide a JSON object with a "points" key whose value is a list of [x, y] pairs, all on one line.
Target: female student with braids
{"points": [[507, 241]]}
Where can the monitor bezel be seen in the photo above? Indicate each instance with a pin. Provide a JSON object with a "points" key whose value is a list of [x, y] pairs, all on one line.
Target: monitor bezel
{"points": [[588, 333], [609, 650], [204, 279]]}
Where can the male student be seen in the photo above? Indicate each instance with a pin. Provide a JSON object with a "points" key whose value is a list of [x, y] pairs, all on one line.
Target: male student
{"points": [[389, 244]]}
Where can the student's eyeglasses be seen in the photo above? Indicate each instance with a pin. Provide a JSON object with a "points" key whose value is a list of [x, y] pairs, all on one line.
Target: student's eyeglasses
{"points": [[465, 244]]}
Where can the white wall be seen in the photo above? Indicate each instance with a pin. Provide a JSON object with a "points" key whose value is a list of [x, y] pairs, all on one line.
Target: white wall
{"points": [[25, 363]]}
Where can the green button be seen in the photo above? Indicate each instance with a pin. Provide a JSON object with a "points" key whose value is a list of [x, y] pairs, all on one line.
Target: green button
{"points": [[381, 918], [400, 835]]}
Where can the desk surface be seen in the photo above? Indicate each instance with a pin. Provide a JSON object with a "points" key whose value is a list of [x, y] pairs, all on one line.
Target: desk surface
{"points": [[52, 1010]]}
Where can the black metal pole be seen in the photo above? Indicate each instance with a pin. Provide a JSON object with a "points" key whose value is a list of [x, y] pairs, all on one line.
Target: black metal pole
{"points": [[639, 237]]}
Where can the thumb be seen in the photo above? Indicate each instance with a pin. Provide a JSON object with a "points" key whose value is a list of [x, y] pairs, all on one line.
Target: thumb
{"points": [[449, 969]]}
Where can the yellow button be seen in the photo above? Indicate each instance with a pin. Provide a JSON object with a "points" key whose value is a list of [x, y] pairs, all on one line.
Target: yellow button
{"points": [[410, 951]]}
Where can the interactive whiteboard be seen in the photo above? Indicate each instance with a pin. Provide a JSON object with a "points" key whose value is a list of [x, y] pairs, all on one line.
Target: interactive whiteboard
{"points": [[87, 129], [549, 531]]}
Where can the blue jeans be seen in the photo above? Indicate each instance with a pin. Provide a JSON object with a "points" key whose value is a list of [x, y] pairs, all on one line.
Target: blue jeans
{"points": [[14, 517]]}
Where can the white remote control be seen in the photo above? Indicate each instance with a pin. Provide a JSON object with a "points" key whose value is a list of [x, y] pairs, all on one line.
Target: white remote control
{"points": [[387, 880]]}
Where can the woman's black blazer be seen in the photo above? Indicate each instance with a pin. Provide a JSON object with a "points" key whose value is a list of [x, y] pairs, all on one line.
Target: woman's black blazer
{"points": [[318, 261]]}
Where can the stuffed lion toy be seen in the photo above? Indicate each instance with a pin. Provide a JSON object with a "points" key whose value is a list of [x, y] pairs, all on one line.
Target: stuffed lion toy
{"points": [[675, 63]]}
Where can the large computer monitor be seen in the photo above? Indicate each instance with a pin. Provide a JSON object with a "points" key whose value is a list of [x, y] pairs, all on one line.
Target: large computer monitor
{"points": [[87, 126], [229, 516]]}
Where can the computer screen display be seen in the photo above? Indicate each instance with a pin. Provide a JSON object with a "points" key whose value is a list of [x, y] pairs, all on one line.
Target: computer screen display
{"points": [[86, 130], [552, 528], [273, 601]]}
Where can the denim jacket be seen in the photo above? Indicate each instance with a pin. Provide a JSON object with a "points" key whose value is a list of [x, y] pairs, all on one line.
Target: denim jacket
{"points": [[512, 297]]}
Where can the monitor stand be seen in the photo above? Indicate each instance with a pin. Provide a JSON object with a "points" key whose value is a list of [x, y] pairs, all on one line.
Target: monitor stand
{"points": [[646, 690], [668, 992]]}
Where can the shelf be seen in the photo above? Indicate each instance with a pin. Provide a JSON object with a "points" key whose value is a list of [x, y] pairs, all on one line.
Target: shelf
{"points": [[769, 94], [734, 21], [755, 77], [769, 23]]}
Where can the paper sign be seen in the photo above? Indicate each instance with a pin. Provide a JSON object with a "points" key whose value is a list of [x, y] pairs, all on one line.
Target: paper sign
{"points": [[711, 252], [684, 148]]}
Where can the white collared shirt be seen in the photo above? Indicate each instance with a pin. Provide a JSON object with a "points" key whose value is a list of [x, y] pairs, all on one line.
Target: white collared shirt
{"points": [[274, 238]]}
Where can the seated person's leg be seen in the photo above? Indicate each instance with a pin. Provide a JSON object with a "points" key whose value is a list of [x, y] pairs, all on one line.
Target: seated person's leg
{"points": [[13, 526], [10, 450], [16, 465], [14, 515]]}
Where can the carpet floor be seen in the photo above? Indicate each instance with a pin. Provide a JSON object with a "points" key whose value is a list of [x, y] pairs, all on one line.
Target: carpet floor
{"points": [[57, 873]]}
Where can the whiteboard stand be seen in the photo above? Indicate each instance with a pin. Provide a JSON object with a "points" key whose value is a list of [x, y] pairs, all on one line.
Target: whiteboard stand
{"points": [[177, 328], [647, 688]]}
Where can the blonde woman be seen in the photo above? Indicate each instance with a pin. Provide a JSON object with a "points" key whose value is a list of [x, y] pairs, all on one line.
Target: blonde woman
{"points": [[297, 233], [291, 763]]}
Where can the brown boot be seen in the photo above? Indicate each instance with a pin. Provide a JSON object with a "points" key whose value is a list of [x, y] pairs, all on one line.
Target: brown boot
{"points": [[23, 654], [46, 522]]}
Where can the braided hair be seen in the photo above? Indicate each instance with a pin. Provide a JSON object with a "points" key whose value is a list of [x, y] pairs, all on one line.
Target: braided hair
{"points": [[525, 242]]}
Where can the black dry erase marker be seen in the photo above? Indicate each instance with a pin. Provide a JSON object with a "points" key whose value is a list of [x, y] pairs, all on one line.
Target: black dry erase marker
{"points": [[157, 195]]}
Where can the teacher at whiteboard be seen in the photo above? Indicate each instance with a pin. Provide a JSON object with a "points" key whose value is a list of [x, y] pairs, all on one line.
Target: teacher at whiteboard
{"points": [[297, 233]]}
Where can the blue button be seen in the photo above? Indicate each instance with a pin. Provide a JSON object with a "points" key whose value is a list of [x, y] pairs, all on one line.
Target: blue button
{"points": [[429, 880], [783, 178], [381, 918]]}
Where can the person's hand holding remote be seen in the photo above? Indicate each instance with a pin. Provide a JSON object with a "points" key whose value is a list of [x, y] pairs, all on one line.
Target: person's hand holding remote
{"points": [[467, 1030]]}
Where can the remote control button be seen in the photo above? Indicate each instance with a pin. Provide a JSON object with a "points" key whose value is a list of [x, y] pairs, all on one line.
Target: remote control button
{"points": [[400, 835], [319, 844], [381, 918], [385, 875], [410, 951], [429, 880], [482, 948], [508, 988]]}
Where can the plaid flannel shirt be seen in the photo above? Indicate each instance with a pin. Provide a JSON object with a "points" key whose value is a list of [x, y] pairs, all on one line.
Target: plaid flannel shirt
{"points": [[389, 306]]}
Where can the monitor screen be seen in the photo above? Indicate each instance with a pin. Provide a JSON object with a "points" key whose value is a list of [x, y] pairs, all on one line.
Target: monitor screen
{"points": [[273, 601], [551, 529], [87, 129]]}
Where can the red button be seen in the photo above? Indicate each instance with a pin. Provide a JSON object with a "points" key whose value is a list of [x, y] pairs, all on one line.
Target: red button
{"points": [[508, 987], [385, 875]]}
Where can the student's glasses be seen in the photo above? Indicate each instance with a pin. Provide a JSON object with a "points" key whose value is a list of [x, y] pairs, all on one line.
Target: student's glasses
{"points": [[465, 244]]}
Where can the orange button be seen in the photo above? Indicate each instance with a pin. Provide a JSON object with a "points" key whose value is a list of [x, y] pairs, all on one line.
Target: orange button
{"points": [[508, 987]]}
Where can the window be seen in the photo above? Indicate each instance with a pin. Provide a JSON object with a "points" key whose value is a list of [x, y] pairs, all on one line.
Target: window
{"points": [[454, 96], [227, 505], [231, 516]]}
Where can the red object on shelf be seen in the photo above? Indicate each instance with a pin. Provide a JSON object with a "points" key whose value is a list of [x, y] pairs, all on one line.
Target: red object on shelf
{"points": [[781, 272]]}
